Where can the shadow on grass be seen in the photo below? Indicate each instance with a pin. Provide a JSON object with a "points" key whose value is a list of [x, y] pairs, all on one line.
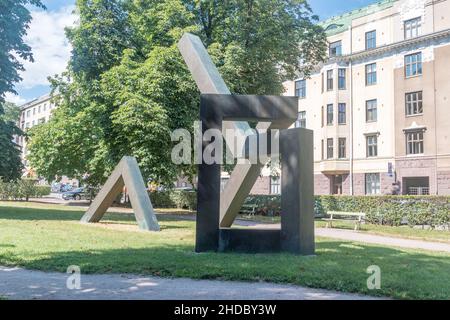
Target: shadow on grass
{"points": [[337, 266]]}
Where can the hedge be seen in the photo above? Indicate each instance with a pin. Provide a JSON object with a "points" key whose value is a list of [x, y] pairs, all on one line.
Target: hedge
{"points": [[387, 210], [174, 199], [22, 190]]}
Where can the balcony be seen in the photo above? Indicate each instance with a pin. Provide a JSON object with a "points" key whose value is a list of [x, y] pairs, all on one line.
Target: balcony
{"points": [[334, 166]]}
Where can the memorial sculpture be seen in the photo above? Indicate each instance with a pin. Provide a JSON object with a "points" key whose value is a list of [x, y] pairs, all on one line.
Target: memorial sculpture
{"points": [[126, 174], [217, 210]]}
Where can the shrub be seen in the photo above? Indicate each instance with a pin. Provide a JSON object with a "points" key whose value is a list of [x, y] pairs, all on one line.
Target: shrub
{"points": [[174, 199], [22, 190], [42, 191], [387, 210], [392, 210]]}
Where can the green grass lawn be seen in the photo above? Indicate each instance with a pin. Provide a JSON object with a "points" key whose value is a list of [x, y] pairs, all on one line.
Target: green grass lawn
{"points": [[50, 238]]}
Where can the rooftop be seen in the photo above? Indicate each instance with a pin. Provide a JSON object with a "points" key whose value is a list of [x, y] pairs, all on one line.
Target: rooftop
{"points": [[338, 24], [36, 101]]}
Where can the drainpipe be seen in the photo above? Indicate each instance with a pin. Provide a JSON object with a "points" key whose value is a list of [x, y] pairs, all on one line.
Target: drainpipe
{"points": [[351, 114], [435, 113]]}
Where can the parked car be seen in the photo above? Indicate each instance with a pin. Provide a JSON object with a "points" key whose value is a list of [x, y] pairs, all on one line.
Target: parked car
{"points": [[75, 194]]}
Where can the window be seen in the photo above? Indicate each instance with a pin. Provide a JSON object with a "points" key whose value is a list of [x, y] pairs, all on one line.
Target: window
{"points": [[329, 114], [372, 145], [413, 28], [371, 111], [414, 103], [414, 142], [323, 156], [341, 79], [275, 185], [342, 146], [28, 113], [336, 49], [342, 117], [371, 74], [41, 120], [300, 88], [371, 39], [323, 117], [329, 80], [413, 65], [330, 148], [39, 109], [301, 120], [373, 183], [45, 107], [34, 111], [323, 80]]}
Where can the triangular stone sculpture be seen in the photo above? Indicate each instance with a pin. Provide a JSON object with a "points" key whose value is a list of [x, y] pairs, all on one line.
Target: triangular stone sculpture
{"points": [[126, 174]]}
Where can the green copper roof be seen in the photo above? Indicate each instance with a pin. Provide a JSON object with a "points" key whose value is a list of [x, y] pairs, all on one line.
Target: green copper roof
{"points": [[341, 23]]}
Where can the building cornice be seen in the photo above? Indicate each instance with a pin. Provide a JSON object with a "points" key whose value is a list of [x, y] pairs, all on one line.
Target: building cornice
{"points": [[36, 102], [390, 47]]}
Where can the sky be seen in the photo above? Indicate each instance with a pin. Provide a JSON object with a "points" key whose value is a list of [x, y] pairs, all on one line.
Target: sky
{"points": [[51, 49]]}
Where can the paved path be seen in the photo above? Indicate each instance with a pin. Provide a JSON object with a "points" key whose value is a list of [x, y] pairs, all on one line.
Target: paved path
{"points": [[361, 236], [17, 283]]}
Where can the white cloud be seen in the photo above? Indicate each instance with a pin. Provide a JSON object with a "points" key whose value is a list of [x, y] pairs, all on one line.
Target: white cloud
{"points": [[14, 99], [50, 47]]}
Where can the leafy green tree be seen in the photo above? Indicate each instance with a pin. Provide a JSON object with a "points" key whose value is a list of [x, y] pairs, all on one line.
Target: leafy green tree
{"points": [[10, 162], [15, 19], [99, 40], [11, 112], [259, 44], [127, 87]]}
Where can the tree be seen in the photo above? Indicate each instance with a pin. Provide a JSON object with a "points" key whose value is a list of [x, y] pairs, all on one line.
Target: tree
{"points": [[259, 44], [14, 22], [11, 112], [131, 108], [10, 162], [15, 19], [127, 87]]}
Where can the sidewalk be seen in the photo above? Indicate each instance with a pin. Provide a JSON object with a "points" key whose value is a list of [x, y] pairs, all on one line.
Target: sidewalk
{"points": [[361, 236], [17, 283]]}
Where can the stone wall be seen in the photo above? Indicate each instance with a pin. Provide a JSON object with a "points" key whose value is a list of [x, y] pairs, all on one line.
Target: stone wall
{"points": [[444, 182]]}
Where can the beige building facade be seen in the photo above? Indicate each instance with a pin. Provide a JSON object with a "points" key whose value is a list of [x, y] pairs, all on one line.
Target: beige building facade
{"points": [[33, 113], [379, 106]]}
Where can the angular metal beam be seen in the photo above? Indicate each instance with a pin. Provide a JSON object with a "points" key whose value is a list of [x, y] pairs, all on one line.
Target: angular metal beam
{"points": [[126, 174]]}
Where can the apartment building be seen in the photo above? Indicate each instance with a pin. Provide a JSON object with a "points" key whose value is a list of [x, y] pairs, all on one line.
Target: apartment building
{"points": [[379, 106], [34, 112]]}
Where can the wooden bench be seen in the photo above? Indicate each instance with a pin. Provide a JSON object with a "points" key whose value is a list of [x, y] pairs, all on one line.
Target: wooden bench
{"points": [[249, 209], [345, 216]]}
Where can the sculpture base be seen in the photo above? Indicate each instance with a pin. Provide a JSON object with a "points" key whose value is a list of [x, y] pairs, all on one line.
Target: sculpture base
{"points": [[249, 241]]}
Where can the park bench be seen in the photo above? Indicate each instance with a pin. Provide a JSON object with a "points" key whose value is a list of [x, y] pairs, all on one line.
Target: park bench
{"points": [[249, 209], [345, 216]]}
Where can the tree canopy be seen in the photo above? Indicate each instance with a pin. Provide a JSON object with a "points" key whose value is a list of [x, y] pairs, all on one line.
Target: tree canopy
{"points": [[15, 19], [127, 87], [11, 112]]}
